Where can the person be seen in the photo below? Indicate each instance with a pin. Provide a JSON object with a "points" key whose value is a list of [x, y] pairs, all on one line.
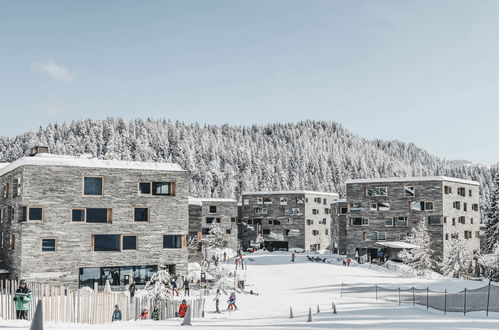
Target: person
{"points": [[155, 314], [132, 289], [349, 261], [232, 302], [241, 261], [217, 301], [237, 262], [216, 262], [293, 255], [22, 298], [225, 256], [174, 287], [116, 313], [344, 262], [182, 309], [186, 287], [144, 314], [357, 256]]}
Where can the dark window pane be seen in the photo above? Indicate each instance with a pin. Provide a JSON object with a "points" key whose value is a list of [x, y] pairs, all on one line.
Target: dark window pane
{"points": [[129, 242], [107, 242], [141, 214], [22, 213], [78, 215], [88, 276], [92, 186], [97, 215], [213, 209], [48, 244], [145, 187], [172, 241], [161, 188], [205, 231], [35, 213]]}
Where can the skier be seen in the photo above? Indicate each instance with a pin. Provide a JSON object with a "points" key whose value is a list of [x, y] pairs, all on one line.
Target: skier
{"points": [[132, 289], [217, 301], [182, 309], [22, 299], [186, 287], [349, 261], [155, 314], [293, 255], [232, 302], [241, 261], [174, 287], [237, 262], [225, 256], [116, 314]]}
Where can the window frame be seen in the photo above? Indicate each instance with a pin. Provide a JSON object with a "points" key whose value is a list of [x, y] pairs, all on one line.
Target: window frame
{"points": [[150, 188], [93, 177], [413, 191], [78, 209], [148, 208], [136, 242], [48, 238], [27, 213], [109, 215], [181, 236], [392, 221]]}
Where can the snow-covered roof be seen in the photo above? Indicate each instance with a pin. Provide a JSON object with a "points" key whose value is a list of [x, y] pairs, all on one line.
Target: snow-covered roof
{"points": [[200, 201], [340, 201], [413, 179], [3, 164], [46, 159], [291, 192], [397, 245]]}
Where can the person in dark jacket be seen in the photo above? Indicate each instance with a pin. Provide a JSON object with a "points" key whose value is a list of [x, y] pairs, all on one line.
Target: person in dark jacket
{"points": [[174, 287], [186, 287], [116, 314], [132, 289], [22, 299], [155, 314]]}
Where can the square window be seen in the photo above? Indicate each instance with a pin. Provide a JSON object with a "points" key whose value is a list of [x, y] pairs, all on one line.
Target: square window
{"points": [[129, 242], [389, 222], [92, 186], [232, 219], [78, 215], [409, 191], [35, 214], [381, 236], [283, 201], [428, 206], [227, 231], [48, 244], [145, 188], [161, 188], [141, 214], [400, 221], [213, 209]]}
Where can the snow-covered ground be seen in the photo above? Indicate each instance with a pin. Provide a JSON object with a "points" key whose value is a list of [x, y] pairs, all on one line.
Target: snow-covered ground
{"points": [[303, 285]]}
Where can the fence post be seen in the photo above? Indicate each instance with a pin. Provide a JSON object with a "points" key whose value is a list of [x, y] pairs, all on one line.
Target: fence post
{"points": [[413, 298], [341, 292], [464, 301], [445, 301], [376, 286], [399, 296], [488, 299], [427, 296]]}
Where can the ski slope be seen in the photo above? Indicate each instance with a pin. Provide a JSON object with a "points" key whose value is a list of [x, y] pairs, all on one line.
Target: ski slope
{"points": [[303, 285]]}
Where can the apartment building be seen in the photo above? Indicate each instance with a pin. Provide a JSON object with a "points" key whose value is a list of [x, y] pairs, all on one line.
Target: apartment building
{"points": [[287, 219], [78, 220], [205, 212], [339, 210], [382, 212]]}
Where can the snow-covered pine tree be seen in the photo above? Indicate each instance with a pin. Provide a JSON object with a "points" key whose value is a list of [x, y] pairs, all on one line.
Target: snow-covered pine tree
{"points": [[421, 257], [216, 236], [158, 287], [459, 262], [492, 218]]}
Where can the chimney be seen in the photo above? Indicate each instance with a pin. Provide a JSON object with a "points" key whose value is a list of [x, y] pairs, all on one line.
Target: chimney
{"points": [[39, 150]]}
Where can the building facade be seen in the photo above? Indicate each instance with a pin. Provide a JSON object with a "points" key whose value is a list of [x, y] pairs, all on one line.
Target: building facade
{"points": [[386, 210], [339, 210], [286, 219], [78, 221]]}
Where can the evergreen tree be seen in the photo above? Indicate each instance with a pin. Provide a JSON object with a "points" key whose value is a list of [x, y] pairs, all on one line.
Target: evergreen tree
{"points": [[216, 236], [421, 257], [492, 218], [459, 261]]}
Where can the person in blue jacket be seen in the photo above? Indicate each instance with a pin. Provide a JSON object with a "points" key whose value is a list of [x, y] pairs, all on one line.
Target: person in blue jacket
{"points": [[116, 313]]}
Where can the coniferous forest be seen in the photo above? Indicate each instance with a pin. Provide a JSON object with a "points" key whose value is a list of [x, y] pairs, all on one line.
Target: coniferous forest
{"points": [[225, 160]]}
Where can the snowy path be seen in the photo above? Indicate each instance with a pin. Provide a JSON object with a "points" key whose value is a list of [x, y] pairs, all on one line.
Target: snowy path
{"points": [[301, 285]]}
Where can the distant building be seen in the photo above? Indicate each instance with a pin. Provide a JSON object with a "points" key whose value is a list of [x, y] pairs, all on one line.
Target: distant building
{"points": [[205, 212], [339, 210], [286, 219], [382, 212], [78, 220]]}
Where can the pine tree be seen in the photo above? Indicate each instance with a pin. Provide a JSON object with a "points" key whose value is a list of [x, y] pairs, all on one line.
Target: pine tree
{"points": [[492, 218], [459, 261], [421, 257], [216, 236]]}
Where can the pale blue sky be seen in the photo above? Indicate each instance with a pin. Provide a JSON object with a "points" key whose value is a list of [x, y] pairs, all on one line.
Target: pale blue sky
{"points": [[419, 71]]}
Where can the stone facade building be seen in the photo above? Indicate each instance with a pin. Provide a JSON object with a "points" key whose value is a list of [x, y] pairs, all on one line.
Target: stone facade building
{"points": [[382, 212], [287, 219], [339, 210], [77, 220]]}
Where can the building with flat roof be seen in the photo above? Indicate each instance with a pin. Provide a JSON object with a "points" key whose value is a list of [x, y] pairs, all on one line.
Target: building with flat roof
{"points": [[79, 220], [286, 219], [381, 211]]}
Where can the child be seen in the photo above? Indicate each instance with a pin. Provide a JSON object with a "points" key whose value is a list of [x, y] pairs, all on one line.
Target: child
{"points": [[182, 309], [116, 314], [155, 314], [144, 314]]}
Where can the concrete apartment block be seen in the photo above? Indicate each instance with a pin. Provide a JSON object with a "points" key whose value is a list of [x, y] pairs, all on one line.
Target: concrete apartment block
{"points": [[385, 210], [77, 220], [287, 219]]}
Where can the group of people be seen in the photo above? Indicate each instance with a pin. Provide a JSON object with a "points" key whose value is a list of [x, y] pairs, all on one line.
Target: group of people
{"points": [[231, 302], [239, 261], [144, 314], [346, 262]]}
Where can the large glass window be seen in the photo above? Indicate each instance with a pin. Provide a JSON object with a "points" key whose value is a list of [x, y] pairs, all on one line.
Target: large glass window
{"points": [[88, 276], [107, 242], [118, 275], [97, 215], [161, 188], [92, 186], [141, 214], [48, 244], [172, 241]]}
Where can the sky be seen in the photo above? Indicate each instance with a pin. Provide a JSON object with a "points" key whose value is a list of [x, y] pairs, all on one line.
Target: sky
{"points": [[425, 72]]}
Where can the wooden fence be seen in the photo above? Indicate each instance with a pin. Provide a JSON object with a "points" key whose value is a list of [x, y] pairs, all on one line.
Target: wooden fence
{"points": [[88, 306]]}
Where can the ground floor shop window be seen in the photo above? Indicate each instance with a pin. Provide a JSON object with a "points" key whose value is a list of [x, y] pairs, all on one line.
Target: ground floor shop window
{"points": [[117, 276]]}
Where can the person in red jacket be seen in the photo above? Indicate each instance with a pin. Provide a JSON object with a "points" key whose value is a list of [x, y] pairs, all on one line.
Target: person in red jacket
{"points": [[182, 309]]}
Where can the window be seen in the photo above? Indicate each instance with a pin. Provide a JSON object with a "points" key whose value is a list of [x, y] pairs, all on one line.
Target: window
{"points": [[233, 220], [27, 213], [325, 201], [434, 220], [172, 241], [141, 214], [467, 234], [359, 222], [163, 188], [381, 236], [246, 201], [16, 187], [462, 220], [315, 211], [421, 206], [389, 222], [212, 220], [259, 200], [205, 231], [129, 242], [78, 215], [461, 191], [474, 207], [364, 236], [48, 244], [300, 200], [380, 207], [402, 236], [453, 221], [344, 210], [465, 207], [318, 200], [446, 237], [454, 236], [428, 206], [266, 231], [145, 188], [376, 191], [409, 191], [326, 231], [264, 210], [227, 231], [456, 205], [5, 192], [270, 222], [447, 190], [98, 215], [283, 201], [258, 210], [267, 200], [477, 234], [470, 193], [92, 186], [292, 211], [400, 221], [355, 207], [277, 223], [213, 209], [326, 210], [310, 222], [107, 242], [250, 221], [12, 242], [471, 220], [373, 236]]}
